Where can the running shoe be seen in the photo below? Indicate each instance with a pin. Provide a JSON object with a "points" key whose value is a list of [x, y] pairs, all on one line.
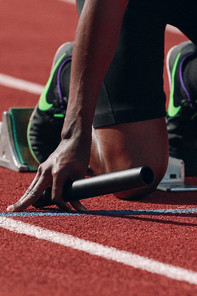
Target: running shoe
{"points": [[182, 109], [45, 125]]}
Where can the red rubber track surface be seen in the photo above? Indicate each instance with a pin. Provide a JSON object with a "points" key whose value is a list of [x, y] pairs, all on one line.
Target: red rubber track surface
{"points": [[31, 31]]}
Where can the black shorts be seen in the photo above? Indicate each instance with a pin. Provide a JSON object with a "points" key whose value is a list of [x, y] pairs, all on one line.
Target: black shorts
{"points": [[133, 86]]}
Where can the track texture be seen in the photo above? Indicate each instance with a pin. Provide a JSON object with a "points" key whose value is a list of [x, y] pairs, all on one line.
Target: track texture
{"points": [[31, 31]]}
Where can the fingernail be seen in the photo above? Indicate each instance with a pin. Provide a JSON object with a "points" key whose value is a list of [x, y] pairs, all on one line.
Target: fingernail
{"points": [[10, 208]]}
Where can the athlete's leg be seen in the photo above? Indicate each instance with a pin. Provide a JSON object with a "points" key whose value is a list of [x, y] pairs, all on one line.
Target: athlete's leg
{"points": [[131, 130], [131, 145]]}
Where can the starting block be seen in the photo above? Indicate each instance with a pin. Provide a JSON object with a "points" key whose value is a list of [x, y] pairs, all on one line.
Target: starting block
{"points": [[14, 150], [174, 179]]}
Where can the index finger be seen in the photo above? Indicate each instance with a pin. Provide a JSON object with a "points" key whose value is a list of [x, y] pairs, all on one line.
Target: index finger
{"points": [[31, 195]]}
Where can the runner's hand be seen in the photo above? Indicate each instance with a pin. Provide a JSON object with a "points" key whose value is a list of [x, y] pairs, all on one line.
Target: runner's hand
{"points": [[64, 165]]}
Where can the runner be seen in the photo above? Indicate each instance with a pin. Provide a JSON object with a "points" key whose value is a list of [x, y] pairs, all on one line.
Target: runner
{"points": [[119, 53]]}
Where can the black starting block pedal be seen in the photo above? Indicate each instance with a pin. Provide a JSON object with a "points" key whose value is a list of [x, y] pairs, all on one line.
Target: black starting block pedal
{"points": [[14, 150]]}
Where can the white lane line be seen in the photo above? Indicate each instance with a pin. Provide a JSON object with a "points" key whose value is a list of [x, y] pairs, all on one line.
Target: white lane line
{"points": [[109, 253], [20, 84], [172, 29], [69, 1]]}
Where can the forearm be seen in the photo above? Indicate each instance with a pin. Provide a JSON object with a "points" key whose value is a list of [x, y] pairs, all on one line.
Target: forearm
{"points": [[95, 44]]}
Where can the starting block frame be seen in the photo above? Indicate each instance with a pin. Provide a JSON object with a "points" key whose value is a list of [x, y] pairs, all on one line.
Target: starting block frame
{"points": [[174, 179], [14, 150]]}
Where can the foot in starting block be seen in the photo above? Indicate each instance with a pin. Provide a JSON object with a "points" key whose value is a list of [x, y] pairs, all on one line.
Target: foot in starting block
{"points": [[14, 150]]}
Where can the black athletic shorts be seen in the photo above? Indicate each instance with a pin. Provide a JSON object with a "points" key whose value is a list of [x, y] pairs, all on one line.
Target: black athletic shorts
{"points": [[133, 86]]}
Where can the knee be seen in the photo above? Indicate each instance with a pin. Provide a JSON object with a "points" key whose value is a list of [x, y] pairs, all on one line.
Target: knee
{"points": [[141, 192], [132, 145]]}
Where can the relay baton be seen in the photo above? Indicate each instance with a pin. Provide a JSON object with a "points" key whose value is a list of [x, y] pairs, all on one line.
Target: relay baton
{"points": [[109, 183]]}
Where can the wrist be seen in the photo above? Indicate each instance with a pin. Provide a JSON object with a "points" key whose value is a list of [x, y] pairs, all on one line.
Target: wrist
{"points": [[76, 127]]}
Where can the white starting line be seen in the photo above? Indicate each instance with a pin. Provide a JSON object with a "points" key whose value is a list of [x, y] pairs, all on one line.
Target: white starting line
{"points": [[109, 253]]}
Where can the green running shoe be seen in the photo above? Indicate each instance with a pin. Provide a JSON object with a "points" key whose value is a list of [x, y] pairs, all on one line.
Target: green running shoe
{"points": [[45, 125], [182, 110]]}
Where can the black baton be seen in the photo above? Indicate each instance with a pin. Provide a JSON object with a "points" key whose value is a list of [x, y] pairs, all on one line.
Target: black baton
{"points": [[109, 183], [101, 185]]}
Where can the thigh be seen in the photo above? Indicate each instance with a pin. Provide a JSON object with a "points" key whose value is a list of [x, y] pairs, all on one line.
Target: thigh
{"points": [[133, 86], [124, 146]]}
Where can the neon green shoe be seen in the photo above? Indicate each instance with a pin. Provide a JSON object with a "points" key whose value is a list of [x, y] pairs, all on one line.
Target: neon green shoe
{"points": [[182, 110], [45, 125]]}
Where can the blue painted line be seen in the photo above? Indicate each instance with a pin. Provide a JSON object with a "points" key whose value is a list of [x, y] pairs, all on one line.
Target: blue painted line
{"points": [[38, 214], [103, 213]]}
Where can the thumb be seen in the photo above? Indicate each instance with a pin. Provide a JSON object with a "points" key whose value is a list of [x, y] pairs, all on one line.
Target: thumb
{"points": [[57, 192]]}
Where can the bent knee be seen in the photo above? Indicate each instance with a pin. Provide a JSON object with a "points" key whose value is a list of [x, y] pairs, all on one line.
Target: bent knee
{"points": [[133, 145], [141, 192]]}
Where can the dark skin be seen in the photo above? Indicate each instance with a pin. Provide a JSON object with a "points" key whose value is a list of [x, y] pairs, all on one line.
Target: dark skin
{"points": [[108, 149]]}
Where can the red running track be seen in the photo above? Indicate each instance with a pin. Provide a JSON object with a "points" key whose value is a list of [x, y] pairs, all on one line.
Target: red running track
{"points": [[31, 31]]}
